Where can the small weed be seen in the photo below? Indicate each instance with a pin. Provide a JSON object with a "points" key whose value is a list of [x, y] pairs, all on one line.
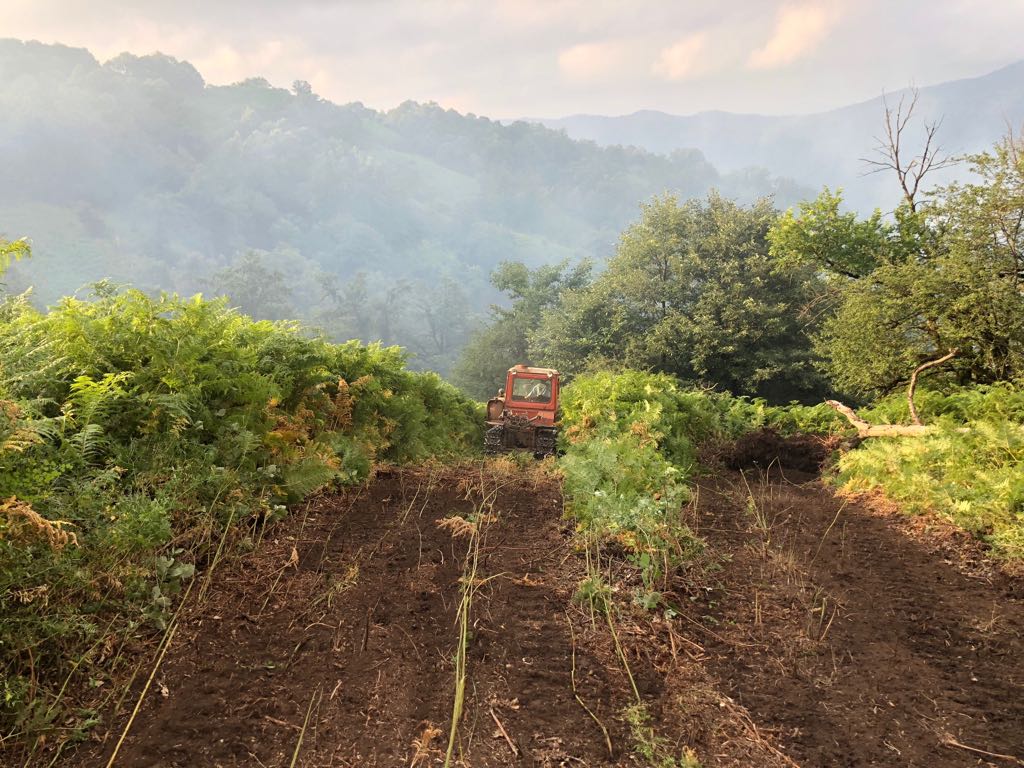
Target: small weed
{"points": [[594, 593], [656, 750]]}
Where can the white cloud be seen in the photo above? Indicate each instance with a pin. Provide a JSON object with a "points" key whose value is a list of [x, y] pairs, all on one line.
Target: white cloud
{"points": [[799, 28], [683, 59], [510, 58], [590, 61]]}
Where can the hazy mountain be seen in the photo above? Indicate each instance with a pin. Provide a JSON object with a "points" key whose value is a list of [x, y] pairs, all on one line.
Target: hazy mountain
{"points": [[823, 148], [373, 224]]}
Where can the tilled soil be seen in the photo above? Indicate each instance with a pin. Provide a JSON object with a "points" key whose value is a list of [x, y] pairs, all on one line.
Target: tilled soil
{"points": [[853, 642], [346, 621], [813, 632]]}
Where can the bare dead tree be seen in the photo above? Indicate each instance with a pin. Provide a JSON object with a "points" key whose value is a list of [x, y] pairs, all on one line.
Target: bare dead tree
{"points": [[893, 154]]}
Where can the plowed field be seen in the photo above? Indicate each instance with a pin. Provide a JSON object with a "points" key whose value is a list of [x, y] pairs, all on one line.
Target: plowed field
{"points": [[814, 632]]}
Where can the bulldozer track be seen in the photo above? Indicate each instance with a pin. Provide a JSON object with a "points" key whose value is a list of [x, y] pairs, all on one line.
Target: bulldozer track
{"points": [[840, 641]]}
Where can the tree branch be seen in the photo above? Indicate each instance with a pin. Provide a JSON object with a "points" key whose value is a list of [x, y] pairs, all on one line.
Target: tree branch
{"points": [[864, 429], [891, 152], [913, 382]]}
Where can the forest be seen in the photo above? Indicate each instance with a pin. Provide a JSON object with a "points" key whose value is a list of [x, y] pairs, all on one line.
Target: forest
{"points": [[387, 224], [243, 526]]}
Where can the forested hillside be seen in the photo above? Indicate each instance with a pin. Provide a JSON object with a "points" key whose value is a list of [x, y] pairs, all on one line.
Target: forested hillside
{"points": [[768, 511], [788, 305], [386, 224]]}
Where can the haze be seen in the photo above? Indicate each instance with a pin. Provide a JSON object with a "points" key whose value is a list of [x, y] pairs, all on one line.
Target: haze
{"points": [[548, 59]]}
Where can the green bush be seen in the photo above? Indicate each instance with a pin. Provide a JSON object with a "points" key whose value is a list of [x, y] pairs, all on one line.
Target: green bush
{"points": [[975, 478], [630, 444], [129, 422], [650, 406]]}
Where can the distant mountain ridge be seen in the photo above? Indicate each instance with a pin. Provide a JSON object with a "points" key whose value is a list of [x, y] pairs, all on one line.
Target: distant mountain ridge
{"points": [[822, 148]]}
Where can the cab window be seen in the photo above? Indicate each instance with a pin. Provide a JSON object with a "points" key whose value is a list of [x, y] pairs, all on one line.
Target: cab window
{"points": [[531, 390]]}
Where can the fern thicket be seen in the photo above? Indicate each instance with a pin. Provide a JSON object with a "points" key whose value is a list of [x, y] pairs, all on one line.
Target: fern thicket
{"points": [[631, 442], [136, 422]]}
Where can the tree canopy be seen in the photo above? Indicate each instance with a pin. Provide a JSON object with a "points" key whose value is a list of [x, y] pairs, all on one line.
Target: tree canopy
{"points": [[691, 290], [946, 276]]}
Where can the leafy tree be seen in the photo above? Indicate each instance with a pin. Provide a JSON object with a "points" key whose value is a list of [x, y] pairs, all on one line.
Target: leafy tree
{"points": [[447, 321], [255, 287], [838, 242], [348, 311], [506, 340], [946, 276], [692, 291], [987, 217]]}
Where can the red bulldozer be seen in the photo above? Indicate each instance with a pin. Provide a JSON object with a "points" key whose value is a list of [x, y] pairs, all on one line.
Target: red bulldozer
{"points": [[524, 415]]}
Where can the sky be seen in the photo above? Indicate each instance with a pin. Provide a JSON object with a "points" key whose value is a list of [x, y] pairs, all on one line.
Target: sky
{"points": [[551, 58]]}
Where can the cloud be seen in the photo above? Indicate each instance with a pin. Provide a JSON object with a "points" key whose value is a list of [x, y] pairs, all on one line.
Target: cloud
{"points": [[510, 58], [683, 59], [589, 61], [799, 28]]}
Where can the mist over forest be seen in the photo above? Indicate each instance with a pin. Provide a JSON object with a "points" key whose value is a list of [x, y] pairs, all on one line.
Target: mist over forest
{"points": [[343, 433], [370, 225], [825, 148], [376, 225]]}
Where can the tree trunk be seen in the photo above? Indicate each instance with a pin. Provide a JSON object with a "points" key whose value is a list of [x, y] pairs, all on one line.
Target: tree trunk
{"points": [[864, 429]]}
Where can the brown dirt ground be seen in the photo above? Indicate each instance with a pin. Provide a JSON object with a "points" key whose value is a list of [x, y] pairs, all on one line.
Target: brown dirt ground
{"points": [[348, 612], [827, 635], [851, 640]]}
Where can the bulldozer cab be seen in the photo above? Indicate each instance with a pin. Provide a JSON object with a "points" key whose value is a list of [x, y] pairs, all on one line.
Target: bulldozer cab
{"points": [[530, 392], [524, 415], [526, 389]]}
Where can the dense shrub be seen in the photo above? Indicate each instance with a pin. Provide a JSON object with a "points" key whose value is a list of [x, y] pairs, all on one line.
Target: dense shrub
{"points": [[973, 477], [139, 434], [631, 444]]}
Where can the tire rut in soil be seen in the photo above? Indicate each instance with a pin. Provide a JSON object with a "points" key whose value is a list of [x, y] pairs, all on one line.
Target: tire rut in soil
{"points": [[851, 642], [348, 611]]}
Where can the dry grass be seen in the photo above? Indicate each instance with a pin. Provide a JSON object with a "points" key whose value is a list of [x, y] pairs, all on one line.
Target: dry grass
{"points": [[23, 524], [459, 527], [423, 745]]}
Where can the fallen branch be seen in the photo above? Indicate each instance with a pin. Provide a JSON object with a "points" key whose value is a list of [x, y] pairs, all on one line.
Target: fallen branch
{"points": [[913, 382], [501, 729], [864, 429], [949, 741]]}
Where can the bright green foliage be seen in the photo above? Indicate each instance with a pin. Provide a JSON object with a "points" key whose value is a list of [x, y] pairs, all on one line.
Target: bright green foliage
{"points": [[975, 478], [631, 442], [692, 291], [971, 469], [11, 252], [837, 242], [630, 449], [505, 342], [651, 406], [945, 275], [154, 428]]}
